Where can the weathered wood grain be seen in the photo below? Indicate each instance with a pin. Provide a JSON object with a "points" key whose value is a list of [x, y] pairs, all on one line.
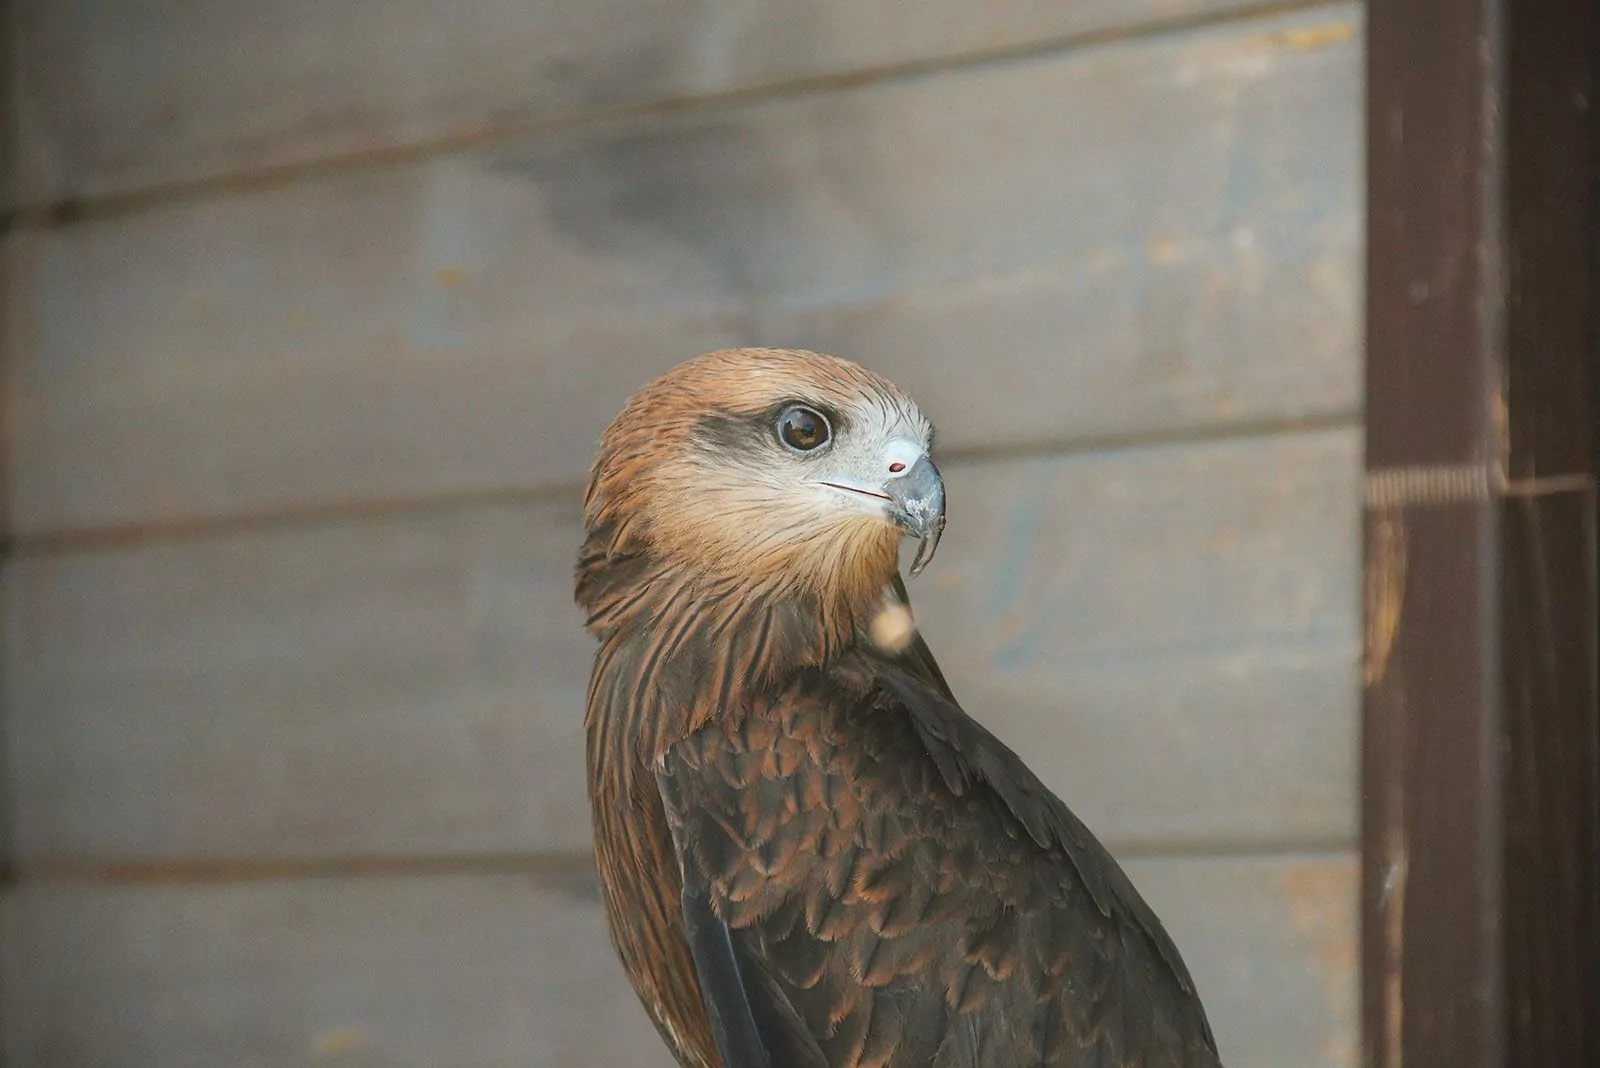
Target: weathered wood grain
{"points": [[1481, 806], [517, 970], [451, 970], [1167, 633], [1273, 945], [126, 96], [1153, 235], [1182, 617]]}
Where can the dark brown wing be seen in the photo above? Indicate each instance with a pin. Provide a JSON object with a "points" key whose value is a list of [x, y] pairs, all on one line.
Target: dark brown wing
{"points": [[888, 885]]}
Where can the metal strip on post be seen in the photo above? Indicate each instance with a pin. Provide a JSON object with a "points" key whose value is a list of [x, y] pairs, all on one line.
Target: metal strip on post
{"points": [[1481, 764]]}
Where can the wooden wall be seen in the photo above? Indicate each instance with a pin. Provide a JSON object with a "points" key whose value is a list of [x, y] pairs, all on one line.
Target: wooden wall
{"points": [[315, 312]]}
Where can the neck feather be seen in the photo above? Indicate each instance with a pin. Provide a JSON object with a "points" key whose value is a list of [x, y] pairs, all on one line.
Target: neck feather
{"points": [[679, 648]]}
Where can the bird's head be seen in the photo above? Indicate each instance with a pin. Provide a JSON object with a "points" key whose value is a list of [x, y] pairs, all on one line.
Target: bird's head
{"points": [[770, 465]]}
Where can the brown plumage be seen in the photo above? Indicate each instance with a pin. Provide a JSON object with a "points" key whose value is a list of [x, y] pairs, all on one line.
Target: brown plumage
{"points": [[810, 855]]}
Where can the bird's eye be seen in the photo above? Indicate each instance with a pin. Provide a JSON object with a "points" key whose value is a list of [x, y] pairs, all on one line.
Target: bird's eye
{"points": [[803, 429]]}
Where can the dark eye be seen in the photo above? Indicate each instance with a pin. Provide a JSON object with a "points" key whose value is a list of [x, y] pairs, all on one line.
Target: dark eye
{"points": [[803, 429]]}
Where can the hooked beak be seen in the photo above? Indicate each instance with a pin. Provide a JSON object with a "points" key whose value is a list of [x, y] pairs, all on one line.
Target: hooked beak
{"points": [[916, 506]]}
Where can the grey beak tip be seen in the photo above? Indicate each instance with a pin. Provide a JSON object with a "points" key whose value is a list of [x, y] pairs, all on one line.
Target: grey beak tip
{"points": [[925, 549], [919, 509]]}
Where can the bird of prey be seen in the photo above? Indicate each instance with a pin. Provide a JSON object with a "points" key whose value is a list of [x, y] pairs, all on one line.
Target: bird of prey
{"points": [[810, 855]]}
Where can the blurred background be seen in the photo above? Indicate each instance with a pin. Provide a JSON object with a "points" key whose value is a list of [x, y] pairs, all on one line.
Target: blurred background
{"points": [[315, 312]]}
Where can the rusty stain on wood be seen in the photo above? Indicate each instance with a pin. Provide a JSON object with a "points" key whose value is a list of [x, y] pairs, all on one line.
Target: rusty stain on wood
{"points": [[1306, 38], [1396, 871], [1500, 429], [339, 1041], [1321, 912], [1385, 578], [1162, 251]]}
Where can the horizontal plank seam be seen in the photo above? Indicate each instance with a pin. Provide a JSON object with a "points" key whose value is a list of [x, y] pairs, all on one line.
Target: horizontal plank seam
{"points": [[251, 870], [68, 210], [70, 541]]}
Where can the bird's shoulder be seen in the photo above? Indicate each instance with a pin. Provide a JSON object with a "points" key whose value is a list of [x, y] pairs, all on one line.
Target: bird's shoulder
{"points": [[867, 834]]}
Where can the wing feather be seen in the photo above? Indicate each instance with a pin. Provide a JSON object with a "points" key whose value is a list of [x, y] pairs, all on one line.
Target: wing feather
{"points": [[895, 888]]}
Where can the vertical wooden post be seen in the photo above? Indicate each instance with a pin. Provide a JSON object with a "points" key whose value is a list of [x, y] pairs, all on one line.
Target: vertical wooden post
{"points": [[1481, 763], [8, 193], [8, 187]]}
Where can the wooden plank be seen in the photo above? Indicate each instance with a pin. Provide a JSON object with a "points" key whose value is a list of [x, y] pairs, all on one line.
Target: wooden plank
{"points": [[1168, 226], [1168, 632], [452, 970], [1273, 946], [516, 970], [1186, 608], [1481, 822], [123, 97], [1552, 772], [1432, 989], [1549, 603]]}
